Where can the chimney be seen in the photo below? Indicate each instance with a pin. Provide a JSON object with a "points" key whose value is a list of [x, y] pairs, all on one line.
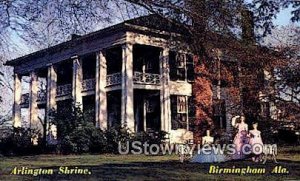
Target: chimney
{"points": [[74, 36], [248, 26]]}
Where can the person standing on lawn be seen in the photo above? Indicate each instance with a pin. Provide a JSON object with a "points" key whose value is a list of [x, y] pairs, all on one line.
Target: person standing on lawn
{"points": [[255, 141], [241, 138]]}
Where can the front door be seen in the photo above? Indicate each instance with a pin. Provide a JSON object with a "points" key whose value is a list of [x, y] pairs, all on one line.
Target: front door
{"points": [[152, 112], [147, 110]]}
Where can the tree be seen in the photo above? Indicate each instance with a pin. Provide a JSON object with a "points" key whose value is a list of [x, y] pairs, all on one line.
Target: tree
{"points": [[208, 25], [41, 24], [286, 40]]}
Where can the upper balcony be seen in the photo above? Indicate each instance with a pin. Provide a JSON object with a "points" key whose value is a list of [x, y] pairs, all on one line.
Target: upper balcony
{"points": [[145, 67], [138, 78], [41, 98], [90, 85], [66, 90]]}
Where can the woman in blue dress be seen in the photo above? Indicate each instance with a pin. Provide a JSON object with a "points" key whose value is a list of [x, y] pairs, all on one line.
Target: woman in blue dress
{"points": [[215, 154]]}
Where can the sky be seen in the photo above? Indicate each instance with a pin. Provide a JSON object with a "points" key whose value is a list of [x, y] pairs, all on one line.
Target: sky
{"points": [[284, 17]]}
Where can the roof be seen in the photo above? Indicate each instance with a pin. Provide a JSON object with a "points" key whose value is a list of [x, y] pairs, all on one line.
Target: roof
{"points": [[153, 22]]}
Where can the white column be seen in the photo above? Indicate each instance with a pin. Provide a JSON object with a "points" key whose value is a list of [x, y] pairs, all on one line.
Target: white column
{"points": [[33, 107], [51, 90], [17, 100], [77, 81], [101, 99], [127, 108], [165, 101]]}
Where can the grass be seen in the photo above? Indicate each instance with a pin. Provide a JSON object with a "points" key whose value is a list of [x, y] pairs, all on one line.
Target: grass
{"points": [[142, 167]]}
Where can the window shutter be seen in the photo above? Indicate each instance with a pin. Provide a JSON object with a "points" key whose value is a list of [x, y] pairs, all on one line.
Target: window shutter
{"points": [[172, 65], [190, 68]]}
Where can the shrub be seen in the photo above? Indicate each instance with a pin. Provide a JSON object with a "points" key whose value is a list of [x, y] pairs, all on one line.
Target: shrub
{"points": [[85, 138], [78, 134], [19, 142], [156, 137], [114, 135]]}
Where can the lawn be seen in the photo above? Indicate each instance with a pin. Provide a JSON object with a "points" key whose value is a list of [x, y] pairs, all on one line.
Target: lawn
{"points": [[142, 167]]}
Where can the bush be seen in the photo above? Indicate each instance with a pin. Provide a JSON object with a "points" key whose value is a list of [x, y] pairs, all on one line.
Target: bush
{"points": [[19, 142], [78, 134], [157, 137], [114, 135], [84, 139]]}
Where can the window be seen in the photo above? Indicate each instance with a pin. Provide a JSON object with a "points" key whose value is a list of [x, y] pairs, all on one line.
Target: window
{"points": [[181, 104], [181, 66], [180, 60], [265, 109], [190, 68], [179, 112], [172, 65]]}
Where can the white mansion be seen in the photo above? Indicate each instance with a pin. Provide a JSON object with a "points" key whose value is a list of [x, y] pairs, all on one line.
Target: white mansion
{"points": [[122, 72], [128, 74]]}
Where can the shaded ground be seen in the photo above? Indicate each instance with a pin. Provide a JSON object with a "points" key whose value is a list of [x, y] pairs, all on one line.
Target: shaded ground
{"points": [[141, 167]]}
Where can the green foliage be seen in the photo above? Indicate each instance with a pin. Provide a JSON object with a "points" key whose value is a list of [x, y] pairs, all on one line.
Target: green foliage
{"points": [[78, 134], [76, 131], [151, 137], [83, 139], [19, 142], [68, 119], [114, 135]]}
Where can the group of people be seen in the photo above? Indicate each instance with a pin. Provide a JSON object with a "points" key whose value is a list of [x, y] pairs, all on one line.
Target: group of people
{"points": [[242, 137]]}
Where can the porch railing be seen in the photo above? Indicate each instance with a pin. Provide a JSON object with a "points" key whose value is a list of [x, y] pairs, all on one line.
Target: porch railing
{"points": [[25, 99], [138, 78], [88, 85], [146, 78], [64, 90], [113, 79], [42, 96]]}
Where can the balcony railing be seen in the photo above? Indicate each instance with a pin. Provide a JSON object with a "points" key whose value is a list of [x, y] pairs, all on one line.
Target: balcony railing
{"points": [[42, 96], [64, 90], [146, 78], [113, 79], [25, 99], [88, 85], [138, 78]]}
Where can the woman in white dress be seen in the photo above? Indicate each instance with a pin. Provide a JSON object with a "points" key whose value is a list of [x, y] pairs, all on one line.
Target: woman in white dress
{"points": [[255, 141], [214, 156]]}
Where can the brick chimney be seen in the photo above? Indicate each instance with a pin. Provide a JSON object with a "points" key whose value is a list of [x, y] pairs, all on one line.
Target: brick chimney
{"points": [[248, 26], [74, 36]]}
